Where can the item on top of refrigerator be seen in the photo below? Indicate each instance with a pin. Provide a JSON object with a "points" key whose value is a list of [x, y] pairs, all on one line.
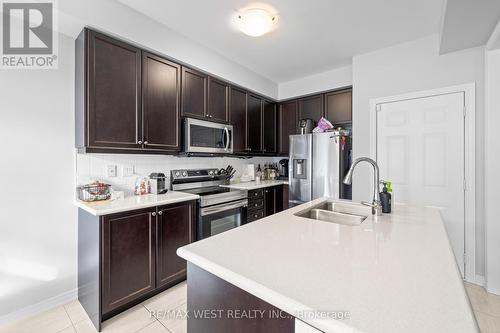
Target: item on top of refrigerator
{"points": [[385, 197], [306, 126], [323, 125], [142, 186], [95, 191]]}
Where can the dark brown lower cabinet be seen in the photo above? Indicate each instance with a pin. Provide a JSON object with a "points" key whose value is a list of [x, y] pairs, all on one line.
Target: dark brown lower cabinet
{"points": [[210, 294], [174, 230], [127, 257]]}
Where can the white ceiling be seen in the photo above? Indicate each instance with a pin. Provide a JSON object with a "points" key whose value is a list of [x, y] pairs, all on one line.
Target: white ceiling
{"points": [[312, 35]]}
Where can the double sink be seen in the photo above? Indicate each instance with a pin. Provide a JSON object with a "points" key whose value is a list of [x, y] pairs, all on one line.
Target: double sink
{"points": [[337, 212]]}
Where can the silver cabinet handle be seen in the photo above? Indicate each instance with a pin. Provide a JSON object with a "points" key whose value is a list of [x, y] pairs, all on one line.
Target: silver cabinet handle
{"points": [[153, 214], [139, 142], [160, 212], [145, 142]]}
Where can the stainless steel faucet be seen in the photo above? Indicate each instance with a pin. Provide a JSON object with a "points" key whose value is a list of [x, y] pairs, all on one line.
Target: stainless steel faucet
{"points": [[376, 204]]}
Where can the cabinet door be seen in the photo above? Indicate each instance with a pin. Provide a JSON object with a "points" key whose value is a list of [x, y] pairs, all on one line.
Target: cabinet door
{"points": [[128, 257], [338, 106], [114, 93], [269, 130], [311, 108], [239, 119], [254, 123], [218, 100], [161, 102], [194, 94], [287, 122], [270, 200], [175, 229]]}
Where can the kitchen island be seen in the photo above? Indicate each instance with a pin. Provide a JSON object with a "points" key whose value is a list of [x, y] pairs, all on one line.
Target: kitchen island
{"points": [[392, 273]]}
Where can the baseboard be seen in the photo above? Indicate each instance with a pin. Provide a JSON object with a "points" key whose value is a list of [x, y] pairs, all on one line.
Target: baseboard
{"points": [[480, 280], [39, 307]]}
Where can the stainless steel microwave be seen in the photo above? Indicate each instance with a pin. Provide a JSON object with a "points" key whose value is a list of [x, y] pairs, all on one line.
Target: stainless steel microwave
{"points": [[207, 137]]}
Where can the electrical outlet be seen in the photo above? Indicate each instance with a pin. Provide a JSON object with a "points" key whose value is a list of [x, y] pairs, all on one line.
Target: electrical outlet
{"points": [[127, 170], [110, 171]]}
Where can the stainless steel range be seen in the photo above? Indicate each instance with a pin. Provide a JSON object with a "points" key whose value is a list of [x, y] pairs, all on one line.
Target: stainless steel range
{"points": [[221, 209]]}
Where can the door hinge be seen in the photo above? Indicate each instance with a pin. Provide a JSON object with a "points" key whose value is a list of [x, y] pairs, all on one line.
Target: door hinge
{"points": [[465, 111], [465, 184]]}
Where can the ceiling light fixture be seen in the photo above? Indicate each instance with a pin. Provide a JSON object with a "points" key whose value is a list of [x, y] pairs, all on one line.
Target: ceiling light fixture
{"points": [[256, 22]]}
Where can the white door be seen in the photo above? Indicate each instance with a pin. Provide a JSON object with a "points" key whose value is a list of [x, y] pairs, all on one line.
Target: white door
{"points": [[420, 148]]}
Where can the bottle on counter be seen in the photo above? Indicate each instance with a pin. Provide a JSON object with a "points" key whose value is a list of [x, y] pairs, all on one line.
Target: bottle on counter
{"points": [[258, 174], [385, 197]]}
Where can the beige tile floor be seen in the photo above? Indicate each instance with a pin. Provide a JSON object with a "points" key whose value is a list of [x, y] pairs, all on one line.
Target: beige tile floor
{"points": [[71, 318]]}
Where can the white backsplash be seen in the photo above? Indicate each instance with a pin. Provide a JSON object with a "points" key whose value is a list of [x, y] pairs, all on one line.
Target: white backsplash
{"points": [[93, 166]]}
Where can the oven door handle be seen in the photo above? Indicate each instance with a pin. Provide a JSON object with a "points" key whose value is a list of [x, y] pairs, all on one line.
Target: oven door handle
{"points": [[222, 208], [227, 138]]}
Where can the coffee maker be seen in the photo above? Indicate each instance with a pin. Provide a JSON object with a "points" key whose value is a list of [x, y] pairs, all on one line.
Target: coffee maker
{"points": [[283, 169]]}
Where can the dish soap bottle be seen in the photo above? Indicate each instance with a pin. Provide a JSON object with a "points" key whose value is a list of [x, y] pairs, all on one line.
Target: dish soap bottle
{"points": [[385, 197]]}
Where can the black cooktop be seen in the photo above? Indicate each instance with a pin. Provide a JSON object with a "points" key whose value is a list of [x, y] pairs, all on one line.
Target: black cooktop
{"points": [[207, 190]]}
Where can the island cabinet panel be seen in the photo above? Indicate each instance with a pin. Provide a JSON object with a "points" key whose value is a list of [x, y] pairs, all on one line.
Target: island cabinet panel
{"points": [[175, 229], [269, 127], [311, 107], [273, 199], [194, 94], [161, 103], [128, 257], [254, 123], [209, 292], [238, 107], [338, 106], [218, 100], [113, 71], [287, 122]]}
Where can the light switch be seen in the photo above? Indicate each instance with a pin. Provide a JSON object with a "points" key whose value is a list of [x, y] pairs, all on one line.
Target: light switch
{"points": [[110, 171], [127, 170]]}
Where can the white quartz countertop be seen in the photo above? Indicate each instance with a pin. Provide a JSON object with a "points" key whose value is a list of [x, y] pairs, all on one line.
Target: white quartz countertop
{"points": [[394, 273], [134, 202], [248, 186]]}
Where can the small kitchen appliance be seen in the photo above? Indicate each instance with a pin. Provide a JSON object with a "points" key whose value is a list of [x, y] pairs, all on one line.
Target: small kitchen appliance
{"points": [[283, 169], [306, 126], [158, 183], [206, 137]]}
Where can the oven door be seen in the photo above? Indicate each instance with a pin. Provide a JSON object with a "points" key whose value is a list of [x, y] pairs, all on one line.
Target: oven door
{"points": [[219, 218], [207, 137]]}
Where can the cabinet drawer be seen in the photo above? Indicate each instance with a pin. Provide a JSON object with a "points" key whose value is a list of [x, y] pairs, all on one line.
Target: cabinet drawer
{"points": [[255, 193], [256, 204], [253, 216]]}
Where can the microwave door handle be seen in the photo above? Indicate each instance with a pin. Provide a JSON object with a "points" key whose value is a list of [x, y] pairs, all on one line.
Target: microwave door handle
{"points": [[227, 138], [214, 210]]}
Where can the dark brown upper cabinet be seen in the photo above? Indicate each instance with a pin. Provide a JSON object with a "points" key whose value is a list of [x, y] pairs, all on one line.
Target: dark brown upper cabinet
{"points": [[161, 80], [238, 107], [269, 127], [194, 94], [128, 257], [108, 92], [287, 121], [311, 107], [175, 229], [218, 100], [254, 124], [338, 106]]}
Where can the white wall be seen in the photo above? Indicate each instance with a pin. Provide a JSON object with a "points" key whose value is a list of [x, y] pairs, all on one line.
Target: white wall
{"points": [[492, 162], [409, 67], [115, 18], [332, 79], [38, 221]]}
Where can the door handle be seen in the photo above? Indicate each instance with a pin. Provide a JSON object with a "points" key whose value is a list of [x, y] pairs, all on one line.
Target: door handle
{"points": [[227, 138]]}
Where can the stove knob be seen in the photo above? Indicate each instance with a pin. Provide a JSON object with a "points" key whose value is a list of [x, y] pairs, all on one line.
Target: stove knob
{"points": [[184, 174], [177, 174]]}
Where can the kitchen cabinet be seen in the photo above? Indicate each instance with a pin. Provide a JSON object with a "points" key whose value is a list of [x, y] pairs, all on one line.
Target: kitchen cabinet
{"points": [[238, 107], [128, 257], [254, 124], [194, 94], [269, 127], [338, 106], [287, 125], [311, 107], [174, 229], [125, 258], [161, 103], [108, 92], [265, 201], [273, 200], [218, 100]]}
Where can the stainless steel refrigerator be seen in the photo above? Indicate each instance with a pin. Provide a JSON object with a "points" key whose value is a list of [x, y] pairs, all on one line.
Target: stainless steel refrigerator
{"points": [[318, 163]]}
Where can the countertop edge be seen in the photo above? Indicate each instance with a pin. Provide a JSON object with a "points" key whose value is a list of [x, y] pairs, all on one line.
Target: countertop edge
{"points": [[89, 209], [278, 300]]}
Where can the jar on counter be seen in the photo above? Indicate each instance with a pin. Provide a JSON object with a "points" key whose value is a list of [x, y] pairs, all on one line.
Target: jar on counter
{"points": [[142, 186]]}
